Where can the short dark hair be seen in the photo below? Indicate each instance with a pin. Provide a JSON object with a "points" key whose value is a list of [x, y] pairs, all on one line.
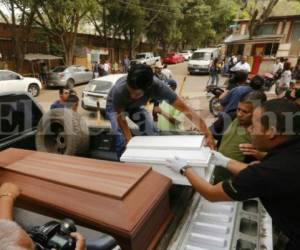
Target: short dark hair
{"points": [[287, 66], [257, 82], [257, 98], [240, 76], [276, 113], [140, 76], [72, 99], [62, 89]]}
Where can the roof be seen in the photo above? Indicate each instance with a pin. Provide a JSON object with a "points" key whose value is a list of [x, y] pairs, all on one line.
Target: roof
{"points": [[236, 38], [38, 56], [272, 18], [110, 78]]}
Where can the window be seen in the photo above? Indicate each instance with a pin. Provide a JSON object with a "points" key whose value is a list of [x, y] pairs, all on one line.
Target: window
{"points": [[267, 29], [295, 35], [59, 69], [8, 75], [271, 49], [201, 56]]}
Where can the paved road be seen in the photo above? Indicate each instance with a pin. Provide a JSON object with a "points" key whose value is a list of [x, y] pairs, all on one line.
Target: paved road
{"points": [[193, 89]]}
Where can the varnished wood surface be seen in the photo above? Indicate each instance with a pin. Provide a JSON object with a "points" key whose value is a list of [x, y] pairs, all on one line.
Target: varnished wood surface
{"points": [[134, 217], [102, 177]]}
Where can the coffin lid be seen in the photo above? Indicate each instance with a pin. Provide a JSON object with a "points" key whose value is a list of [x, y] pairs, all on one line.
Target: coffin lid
{"points": [[113, 196]]}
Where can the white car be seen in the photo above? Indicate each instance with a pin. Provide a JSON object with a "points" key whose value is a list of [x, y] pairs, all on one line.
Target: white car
{"points": [[186, 54], [202, 59], [13, 82], [97, 91]]}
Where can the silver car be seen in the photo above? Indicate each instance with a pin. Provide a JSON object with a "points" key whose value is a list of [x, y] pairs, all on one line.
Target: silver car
{"points": [[96, 92], [68, 76]]}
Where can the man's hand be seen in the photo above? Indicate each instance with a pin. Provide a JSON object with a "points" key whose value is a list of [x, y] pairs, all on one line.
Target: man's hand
{"points": [[219, 159], [210, 141], [176, 164], [10, 188], [80, 241], [157, 110], [248, 149]]}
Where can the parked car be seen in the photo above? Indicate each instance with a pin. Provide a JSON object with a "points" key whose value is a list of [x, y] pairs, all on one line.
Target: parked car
{"points": [[68, 76], [97, 91], [145, 58], [187, 54], [201, 60], [13, 82], [173, 58]]}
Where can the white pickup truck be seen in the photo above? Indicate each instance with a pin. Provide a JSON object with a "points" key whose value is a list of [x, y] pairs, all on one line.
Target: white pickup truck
{"points": [[145, 58]]}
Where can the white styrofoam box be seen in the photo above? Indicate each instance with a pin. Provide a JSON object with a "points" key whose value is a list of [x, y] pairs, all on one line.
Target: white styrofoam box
{"points": [[169, 141], [195, 158], [154, 150]]}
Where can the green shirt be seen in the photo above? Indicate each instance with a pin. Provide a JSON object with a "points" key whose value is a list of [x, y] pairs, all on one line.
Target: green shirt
{"points": [[232, 138], [165, 124]]}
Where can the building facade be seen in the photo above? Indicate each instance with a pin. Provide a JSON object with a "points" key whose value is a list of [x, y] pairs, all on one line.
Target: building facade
{"points": [[279, 36]]}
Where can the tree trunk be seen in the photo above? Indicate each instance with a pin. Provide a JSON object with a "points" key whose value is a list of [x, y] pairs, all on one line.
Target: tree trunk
{"points": [[131, 43], [19, 55], [68, 41]]}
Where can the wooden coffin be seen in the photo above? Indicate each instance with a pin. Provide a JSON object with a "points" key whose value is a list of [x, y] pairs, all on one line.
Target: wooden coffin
{"points": [[129, 202]]}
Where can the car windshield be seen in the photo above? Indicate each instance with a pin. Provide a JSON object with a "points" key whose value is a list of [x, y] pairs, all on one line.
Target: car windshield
{"points": [[201, 56], [99, 86], [140, 56], [59, 69]]}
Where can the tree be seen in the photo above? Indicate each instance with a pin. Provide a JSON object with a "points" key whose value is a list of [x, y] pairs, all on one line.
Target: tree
{"points": [[19, 20], [196, 24], [162, 27], [223, 15], [61, 18], [259, 11]]}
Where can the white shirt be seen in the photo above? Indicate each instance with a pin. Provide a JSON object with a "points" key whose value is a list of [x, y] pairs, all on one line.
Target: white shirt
{"points": [[167, 73], [106, 67], [277, 67], [241, 67]]}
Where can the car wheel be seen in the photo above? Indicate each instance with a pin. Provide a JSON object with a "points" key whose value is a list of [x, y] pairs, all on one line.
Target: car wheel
{"points": [[33, 89], [70, 83], [62, 131]]}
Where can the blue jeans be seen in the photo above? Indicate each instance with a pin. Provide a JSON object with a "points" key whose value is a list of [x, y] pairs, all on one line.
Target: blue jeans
{"points": [[139, 116], [214, 78]]}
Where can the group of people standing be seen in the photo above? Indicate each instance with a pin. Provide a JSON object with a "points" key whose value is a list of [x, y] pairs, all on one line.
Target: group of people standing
{"points": [[285, 74], [230, 66], [106, 67]]}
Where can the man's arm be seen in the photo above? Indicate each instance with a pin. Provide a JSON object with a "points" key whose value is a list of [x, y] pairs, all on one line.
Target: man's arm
{"points": [[123, 124], [169, 117], [235, 166], [180, 105], [210, 192], [218, 159]]}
